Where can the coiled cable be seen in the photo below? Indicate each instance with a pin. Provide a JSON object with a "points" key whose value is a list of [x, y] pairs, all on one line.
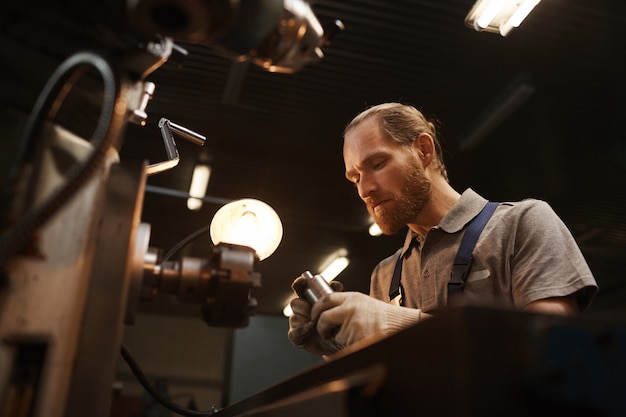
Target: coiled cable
{"points": [[107, 130]]}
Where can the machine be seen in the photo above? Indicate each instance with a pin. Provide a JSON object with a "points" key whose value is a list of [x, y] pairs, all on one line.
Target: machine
{"points": [[75, 256]]}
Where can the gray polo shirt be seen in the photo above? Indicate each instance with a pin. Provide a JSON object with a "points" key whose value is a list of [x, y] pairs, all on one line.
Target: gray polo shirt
{"points": [[525, 253]]}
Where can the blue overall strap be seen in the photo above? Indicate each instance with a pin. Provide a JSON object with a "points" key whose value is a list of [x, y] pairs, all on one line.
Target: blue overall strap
{"points": [[394, 288], [463, 260]]}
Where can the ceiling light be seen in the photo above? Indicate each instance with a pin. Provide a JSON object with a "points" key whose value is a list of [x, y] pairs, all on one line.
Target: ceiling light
{"points": [[248, 222], [375, 230], [334, 266], [197, 189], [499, 16]]}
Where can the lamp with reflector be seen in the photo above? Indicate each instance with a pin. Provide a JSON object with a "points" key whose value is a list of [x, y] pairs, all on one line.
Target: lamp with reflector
{"points": [[244, 232]]}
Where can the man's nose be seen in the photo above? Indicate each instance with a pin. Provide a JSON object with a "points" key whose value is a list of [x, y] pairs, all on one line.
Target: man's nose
{"points": [[366, 187]]}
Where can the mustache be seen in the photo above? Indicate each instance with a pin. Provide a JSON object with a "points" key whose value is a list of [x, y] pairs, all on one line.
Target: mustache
{"points": [[375, 199]]}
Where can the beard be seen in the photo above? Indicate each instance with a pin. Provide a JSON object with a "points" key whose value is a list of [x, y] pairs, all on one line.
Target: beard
{"points": [[415, 193]]}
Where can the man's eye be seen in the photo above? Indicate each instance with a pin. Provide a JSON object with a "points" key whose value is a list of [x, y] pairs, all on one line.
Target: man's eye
{"points": [[379, 164]]}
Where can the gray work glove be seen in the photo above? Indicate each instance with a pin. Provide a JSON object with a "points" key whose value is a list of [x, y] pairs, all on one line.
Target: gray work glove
{"points": [[348, 317], [302, 330]]}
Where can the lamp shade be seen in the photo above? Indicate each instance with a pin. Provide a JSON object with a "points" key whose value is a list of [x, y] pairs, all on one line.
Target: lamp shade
{"points": [[248, 222]]}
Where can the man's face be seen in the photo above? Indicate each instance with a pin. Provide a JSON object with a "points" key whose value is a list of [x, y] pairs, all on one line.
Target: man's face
{"points": [[389, 177]]}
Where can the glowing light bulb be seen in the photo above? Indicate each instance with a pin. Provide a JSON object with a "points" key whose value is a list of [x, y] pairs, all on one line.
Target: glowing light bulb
{"points": [[248, 222]]}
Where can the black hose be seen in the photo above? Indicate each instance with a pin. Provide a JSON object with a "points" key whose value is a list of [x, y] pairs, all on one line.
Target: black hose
{"points": [[187, 240], [147, 385], [108, 128]]}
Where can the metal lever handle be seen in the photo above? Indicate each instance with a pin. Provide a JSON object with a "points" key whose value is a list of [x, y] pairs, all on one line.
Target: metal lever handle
{"points": [[183, 132], [167, 129]]}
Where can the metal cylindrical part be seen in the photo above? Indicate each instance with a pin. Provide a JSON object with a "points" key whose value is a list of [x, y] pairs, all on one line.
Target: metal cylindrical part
{"points": [[194, 280], [316, 287], [169, 277]]}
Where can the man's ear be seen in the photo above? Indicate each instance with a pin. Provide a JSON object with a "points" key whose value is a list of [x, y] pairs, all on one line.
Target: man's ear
{"points": [[424, 146]]}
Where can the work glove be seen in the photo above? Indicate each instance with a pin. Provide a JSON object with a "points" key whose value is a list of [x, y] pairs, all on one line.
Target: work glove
{"points": [[348, 317], [302, 330]]}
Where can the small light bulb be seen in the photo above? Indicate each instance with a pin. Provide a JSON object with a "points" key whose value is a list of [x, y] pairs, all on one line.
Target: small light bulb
{"points": [[244, 230], [248, 222]]}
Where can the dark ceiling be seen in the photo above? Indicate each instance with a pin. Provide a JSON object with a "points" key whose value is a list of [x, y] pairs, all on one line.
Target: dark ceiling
{"points": [[277, 137]]}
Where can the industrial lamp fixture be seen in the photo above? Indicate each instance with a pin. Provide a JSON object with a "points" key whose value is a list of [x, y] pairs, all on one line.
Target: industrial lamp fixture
{"points": [[244, 232], [499, 16], [248, 222]]}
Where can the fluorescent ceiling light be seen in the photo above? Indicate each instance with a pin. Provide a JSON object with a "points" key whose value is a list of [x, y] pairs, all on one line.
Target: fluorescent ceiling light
{"points": [[489, 13], [335, 268], [197, 189], [524, 10], [338, 262], [499, 16]]}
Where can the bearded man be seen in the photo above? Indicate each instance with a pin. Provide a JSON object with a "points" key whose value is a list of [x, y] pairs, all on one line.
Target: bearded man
{"points": [[523, 256]]}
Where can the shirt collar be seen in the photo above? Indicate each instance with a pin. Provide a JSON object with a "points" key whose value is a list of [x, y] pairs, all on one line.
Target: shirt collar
{"points": [[465, 209], [411, 238]]}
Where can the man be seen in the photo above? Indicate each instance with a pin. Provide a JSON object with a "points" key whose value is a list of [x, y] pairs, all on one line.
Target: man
{"points": [[525, 257]]}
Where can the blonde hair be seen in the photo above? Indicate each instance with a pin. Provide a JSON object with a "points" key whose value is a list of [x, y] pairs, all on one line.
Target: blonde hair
{"points": [[403, 123]]}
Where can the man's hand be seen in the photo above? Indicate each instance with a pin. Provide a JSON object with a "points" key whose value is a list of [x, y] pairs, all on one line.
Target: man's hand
{"points": [[302, 330], [351, 316]]}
